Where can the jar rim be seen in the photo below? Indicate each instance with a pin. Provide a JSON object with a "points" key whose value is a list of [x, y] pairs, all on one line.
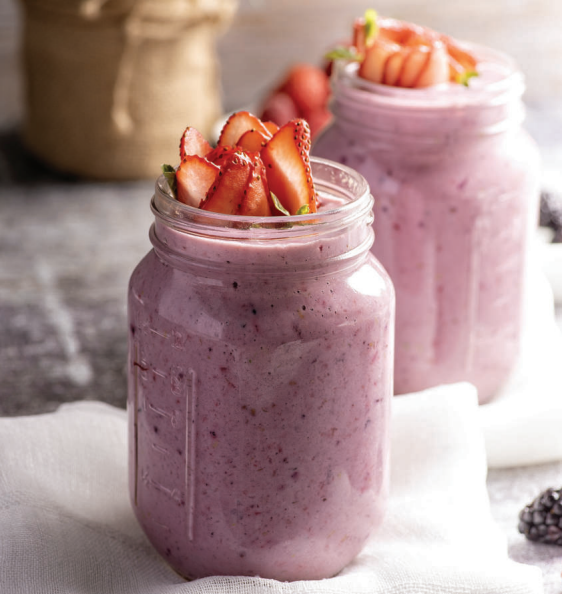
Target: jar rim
{"points": [[336, 179]]}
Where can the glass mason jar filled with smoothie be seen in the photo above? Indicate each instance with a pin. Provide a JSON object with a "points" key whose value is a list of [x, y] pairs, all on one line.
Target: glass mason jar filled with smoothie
{"points": [[260, 378], [455, 180]]}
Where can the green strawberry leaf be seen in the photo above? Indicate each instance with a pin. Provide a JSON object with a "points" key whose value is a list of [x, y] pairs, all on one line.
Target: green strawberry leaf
{"points": [[464, 78], [170, 174], [371, 27], [344, 53], [304, 209], [279, 206]]}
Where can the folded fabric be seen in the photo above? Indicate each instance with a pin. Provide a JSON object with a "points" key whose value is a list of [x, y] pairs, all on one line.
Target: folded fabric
{"points": [[522, 424], [66, 525]]}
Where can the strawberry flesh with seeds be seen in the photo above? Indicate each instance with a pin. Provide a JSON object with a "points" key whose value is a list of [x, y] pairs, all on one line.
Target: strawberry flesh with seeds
{"points": [[219, 154], [237, 124], [253, 140], [240, 188], [194, 178], [257, 196], [286, 158], [272, 127], [257, 170], [193, 143]]}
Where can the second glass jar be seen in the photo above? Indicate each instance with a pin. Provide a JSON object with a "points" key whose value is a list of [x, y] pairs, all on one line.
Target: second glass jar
{"points": [[456, 184]]}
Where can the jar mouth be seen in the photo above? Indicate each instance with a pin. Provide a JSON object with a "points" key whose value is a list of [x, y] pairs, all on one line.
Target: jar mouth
{"points": [[499, 82], [349, 189]]}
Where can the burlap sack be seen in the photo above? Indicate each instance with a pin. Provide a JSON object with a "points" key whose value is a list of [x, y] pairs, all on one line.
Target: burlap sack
{"points": [[111, 84]]}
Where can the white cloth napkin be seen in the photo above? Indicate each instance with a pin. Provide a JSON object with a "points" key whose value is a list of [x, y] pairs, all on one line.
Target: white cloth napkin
{"points": [[66, 525], [523, 424]]}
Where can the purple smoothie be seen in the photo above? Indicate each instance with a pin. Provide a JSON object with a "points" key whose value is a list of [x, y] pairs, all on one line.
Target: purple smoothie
{"points": [[455, 181], [260, 378]]}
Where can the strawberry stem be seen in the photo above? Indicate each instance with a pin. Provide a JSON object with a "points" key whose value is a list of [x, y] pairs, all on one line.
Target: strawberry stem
{"points": [[371, 26], [344, 53], [464, 77]]}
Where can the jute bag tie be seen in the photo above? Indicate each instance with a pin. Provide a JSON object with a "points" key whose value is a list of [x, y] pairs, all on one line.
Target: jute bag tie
{"points": [[120, 116]]}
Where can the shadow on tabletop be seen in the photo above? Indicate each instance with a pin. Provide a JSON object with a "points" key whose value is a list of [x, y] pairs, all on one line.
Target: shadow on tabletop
{"points": [[20, 167]]}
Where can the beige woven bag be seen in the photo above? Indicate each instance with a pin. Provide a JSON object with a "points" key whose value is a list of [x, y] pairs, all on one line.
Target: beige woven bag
{"points": [[111, 84]]}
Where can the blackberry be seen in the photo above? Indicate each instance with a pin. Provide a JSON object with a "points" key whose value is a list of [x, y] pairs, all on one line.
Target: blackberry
{"points": [[551, 214], [541, 520]]}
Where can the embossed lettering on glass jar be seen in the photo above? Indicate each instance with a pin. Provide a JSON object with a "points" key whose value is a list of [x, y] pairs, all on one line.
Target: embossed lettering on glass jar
{"points": [[455, 181], [260, 376]]}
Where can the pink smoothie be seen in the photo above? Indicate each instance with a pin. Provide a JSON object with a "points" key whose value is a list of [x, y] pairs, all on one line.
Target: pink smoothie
{"points": [[455, 181], [259, 385]]}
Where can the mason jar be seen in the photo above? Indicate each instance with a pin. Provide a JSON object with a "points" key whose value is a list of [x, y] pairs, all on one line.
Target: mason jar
{"points": [[456, 185], [260, 378]]}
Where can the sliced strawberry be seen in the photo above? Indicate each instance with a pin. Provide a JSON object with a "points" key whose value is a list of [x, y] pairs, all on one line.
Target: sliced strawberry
{"points": [[271, 126], [414, 64], [436, 69], [256, 195], [359, 40], [408, 55], [240, 187], [193, 143], [253, 140], [194, 177], [373, 66], [220, 153], [459, 55], [286, 158], [394, 65], [236, 125]]}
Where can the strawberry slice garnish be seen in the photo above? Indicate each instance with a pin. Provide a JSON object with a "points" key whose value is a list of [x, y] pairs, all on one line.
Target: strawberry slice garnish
{"points": [[286, 158], [194, 178], [272, 127], [256, 199], [253, 140], [220, 153], [240, 188], [237, 124], [402, 54], [193, 143]]}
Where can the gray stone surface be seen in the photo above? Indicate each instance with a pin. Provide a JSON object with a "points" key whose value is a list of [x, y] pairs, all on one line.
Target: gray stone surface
{"points": [[67, 249]]}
